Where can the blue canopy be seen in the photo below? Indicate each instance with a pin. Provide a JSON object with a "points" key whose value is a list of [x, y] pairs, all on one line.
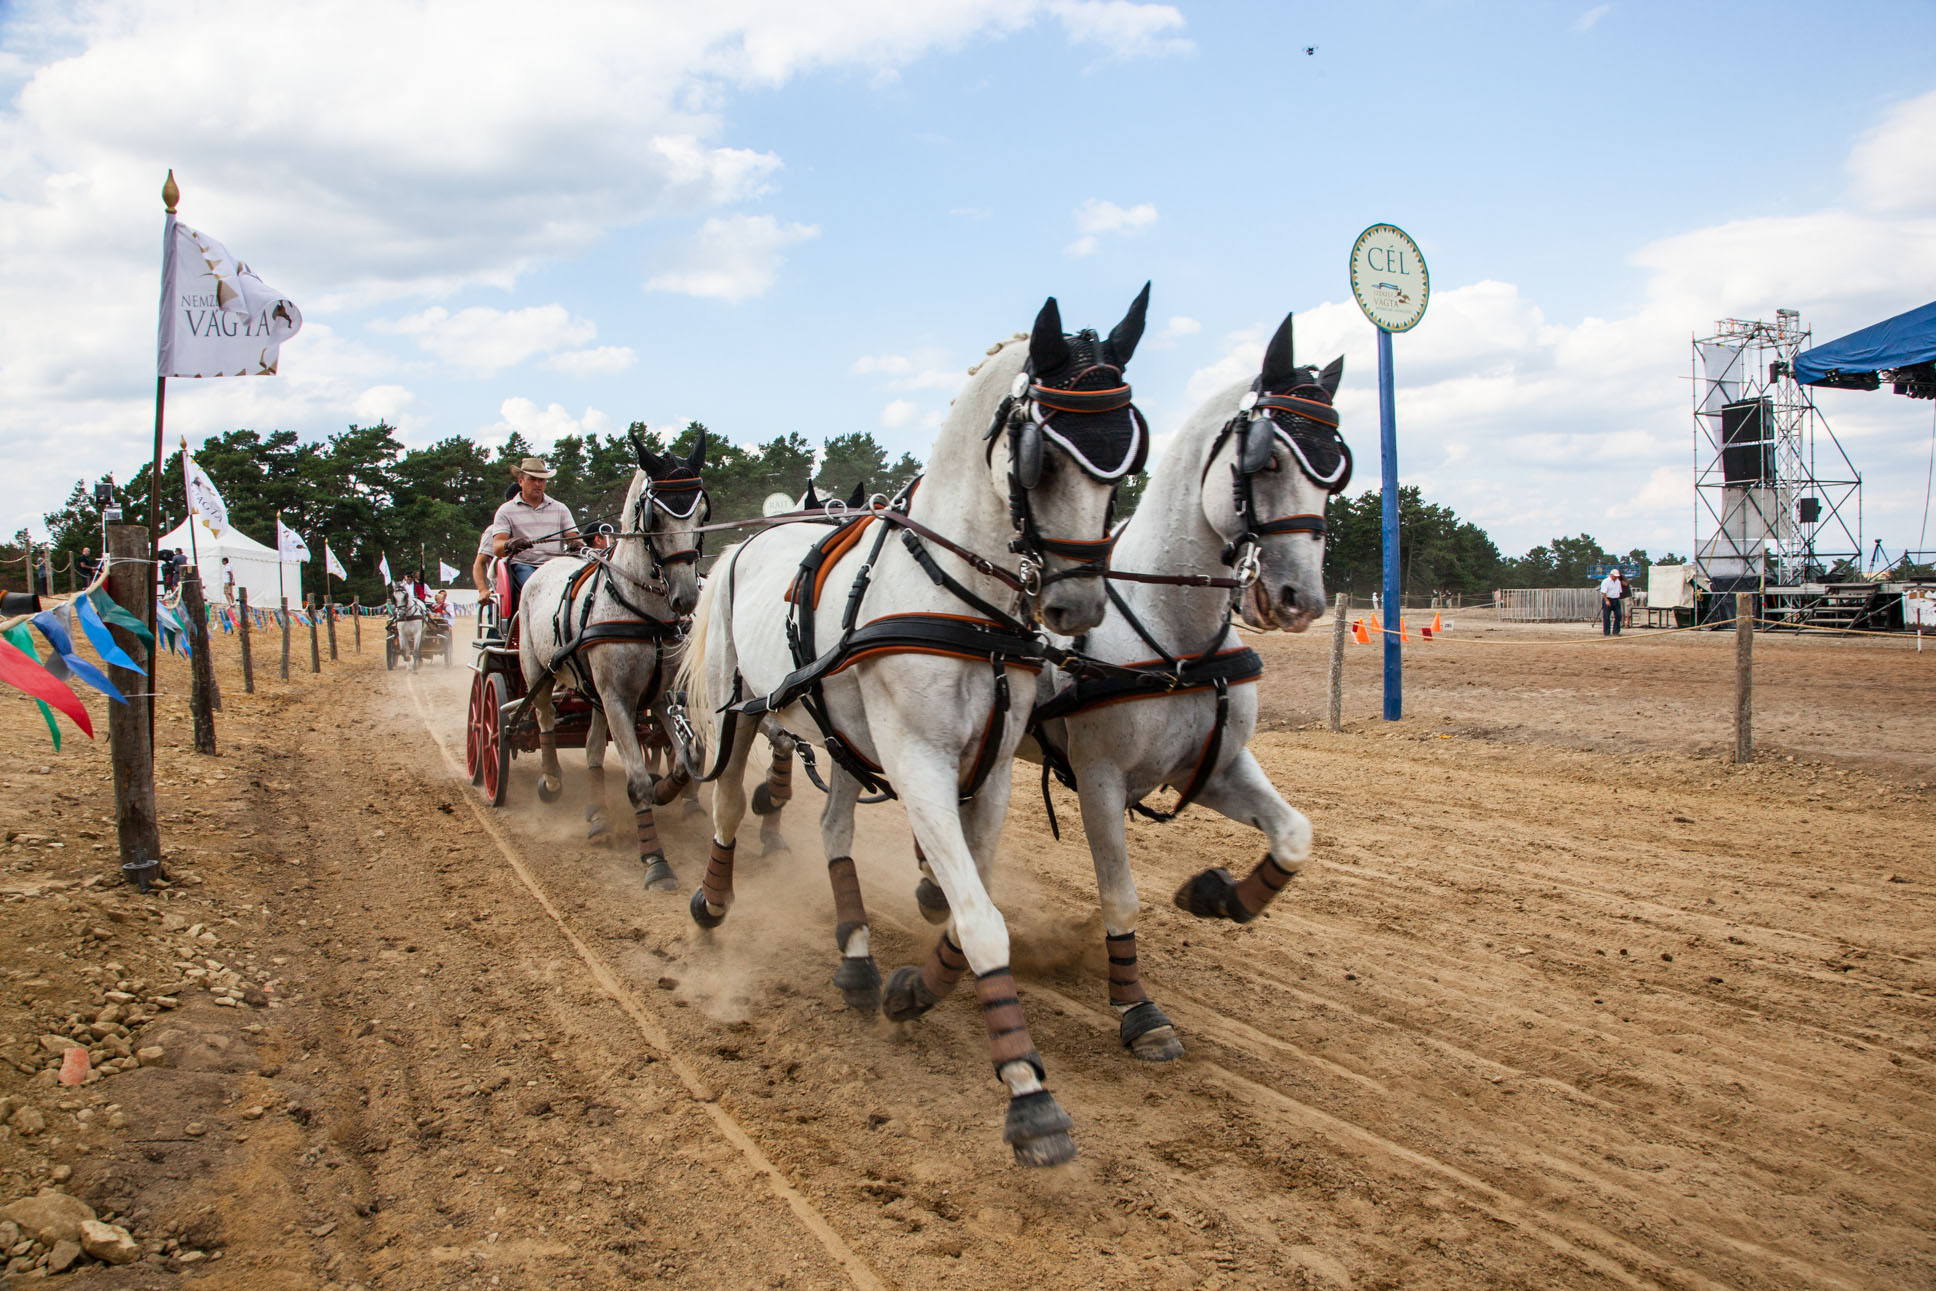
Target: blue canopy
{"points": [[1853, 360]]}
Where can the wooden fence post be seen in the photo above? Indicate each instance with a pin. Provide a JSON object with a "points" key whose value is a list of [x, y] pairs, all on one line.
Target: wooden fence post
{"points": [[329, 612], [130, 734], [1744, 676], [1340, 607], [315, 652], [201, 694], [242, 627], [356, 623], [285, 638]]}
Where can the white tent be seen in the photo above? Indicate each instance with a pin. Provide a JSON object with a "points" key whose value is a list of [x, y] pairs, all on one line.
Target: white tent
{"points": [[256, 566]]}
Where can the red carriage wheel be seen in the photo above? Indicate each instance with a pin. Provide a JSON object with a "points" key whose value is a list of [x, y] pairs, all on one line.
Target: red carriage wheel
{"points": [[474, 731], [495, 750]]}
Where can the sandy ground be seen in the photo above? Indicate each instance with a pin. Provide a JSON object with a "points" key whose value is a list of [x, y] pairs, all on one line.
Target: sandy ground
{"points": [[1563, 1000]]}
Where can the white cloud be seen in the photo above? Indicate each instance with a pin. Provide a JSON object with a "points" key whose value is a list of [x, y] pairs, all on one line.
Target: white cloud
{"points": [[392, 405], [541, 427], [1123, 29], [894, 363], [1175, 330], [600, 362], [1894, 166], [1586, 20], [1096, 217], [925, 370], [482, 341], [899, 414], [731, 258]]}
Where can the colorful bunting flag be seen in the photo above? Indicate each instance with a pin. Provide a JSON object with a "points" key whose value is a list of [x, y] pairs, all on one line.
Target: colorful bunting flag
{"points": [[111, 612], [57, 637], [23, 640], [103, 640], [19, 671]]}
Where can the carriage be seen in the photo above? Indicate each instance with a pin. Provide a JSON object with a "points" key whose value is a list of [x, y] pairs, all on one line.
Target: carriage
{"points": [[438, 639], [498, 724]]}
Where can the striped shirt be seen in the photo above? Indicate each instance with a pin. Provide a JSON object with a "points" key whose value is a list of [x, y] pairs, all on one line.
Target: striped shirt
{"points": [[544, 523]]}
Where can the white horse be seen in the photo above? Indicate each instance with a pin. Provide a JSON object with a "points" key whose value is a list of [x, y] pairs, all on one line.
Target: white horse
{"points": [[921, 691], [409, 618], [607, 624], [1243, 487]]}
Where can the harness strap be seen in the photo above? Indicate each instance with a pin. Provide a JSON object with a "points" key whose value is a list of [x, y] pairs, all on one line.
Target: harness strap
{"points": [[1206, 763]]}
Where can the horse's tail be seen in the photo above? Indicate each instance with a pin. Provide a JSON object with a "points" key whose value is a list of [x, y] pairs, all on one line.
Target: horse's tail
{"points": [[712, 629]]}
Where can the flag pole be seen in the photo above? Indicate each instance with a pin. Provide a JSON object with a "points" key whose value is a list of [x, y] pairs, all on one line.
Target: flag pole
{"points": [[170, 195]]}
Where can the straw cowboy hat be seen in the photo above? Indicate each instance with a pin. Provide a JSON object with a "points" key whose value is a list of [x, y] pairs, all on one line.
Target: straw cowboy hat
{"points": [[535, 467]]}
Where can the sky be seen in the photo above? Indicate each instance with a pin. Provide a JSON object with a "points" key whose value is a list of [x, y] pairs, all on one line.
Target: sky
{"points": [[777, 217]]}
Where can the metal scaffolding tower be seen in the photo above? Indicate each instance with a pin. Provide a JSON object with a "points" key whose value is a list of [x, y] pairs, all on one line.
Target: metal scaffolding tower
{"points": [[1778, 507]]}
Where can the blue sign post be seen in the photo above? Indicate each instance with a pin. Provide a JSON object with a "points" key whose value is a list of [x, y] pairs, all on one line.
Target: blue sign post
{"points": [[1389, 280]]}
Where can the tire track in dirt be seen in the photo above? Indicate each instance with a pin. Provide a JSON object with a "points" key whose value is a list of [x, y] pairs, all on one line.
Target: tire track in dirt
{"points": [[654, 1034]]}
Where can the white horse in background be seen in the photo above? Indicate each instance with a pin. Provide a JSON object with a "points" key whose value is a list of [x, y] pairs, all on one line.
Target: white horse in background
{"points": [[409, 618], [608, 625], [931, 692]]}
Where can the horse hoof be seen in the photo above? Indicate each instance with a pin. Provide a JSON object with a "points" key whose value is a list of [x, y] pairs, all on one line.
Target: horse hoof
{"points": [[859, 981], [1212, 894], [1149, 1035], [658, 875], [763, 804], [774, 844], [1038, 1130], [932, 901], [702, 914], [907, 996], [548, 791]]}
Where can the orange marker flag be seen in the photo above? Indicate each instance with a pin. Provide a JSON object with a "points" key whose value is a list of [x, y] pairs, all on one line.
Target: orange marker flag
{"points": [[1359, 634], [1435, 622], [1376, 625], [1403, 635]]}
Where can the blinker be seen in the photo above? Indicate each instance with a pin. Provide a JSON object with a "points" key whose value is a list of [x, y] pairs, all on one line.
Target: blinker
{"points": [[1255, 452], [1027, 447]]}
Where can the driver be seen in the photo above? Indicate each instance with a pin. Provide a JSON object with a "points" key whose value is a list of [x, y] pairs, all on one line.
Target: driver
{"points": [[530, 528]]}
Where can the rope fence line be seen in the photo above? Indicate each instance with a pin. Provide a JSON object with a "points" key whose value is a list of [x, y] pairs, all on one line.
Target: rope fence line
{"points": [[1763, 626]]}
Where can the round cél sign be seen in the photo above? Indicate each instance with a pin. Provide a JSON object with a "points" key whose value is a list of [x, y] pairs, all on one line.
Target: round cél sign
{"points": [[1388, 277]]}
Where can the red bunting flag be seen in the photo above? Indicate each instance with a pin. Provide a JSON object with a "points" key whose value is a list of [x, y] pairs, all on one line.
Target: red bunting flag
{"points": [[16, 669]]}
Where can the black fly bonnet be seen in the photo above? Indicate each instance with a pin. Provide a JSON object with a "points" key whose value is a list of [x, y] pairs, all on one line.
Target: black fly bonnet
{"points": [[1302, 419], [1072, 394], [673, 486]]}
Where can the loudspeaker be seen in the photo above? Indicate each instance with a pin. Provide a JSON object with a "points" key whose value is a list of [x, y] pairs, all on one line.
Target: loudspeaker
{"points": [[1809, 510], [1748, 446]]}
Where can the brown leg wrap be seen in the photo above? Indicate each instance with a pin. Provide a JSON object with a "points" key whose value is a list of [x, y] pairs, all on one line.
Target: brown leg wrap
{"points": [[1257, 888], [548, 751], [667, 786], [779, 777], [849, 911], [648, 832], [1001, 1012], [718, 884], [1125, 979], [944, 967]]}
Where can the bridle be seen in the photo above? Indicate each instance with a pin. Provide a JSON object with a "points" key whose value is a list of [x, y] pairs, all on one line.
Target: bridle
{"points": [[1263, 420], [1026, 415], [680, 497]]}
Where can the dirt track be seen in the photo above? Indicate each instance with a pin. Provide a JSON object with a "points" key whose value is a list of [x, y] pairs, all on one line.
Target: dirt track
{"points": [[1563, 1001]]}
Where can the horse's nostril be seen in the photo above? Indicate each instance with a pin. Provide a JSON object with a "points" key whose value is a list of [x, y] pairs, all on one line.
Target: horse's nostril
{"points": [[1288, 596]]}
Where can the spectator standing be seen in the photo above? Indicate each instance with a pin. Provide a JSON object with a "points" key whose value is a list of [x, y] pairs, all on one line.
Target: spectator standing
{"points": [[1612, 589]]}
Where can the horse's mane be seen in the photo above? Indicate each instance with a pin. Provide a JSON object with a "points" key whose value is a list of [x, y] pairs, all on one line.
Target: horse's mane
{"points": [[995, 349]]}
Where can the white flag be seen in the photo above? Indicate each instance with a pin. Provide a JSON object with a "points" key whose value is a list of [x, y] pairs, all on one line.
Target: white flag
{"points": [[445, 574], [217, 318], [203, 500], [331, 564], [383, 568], [289, 543]]}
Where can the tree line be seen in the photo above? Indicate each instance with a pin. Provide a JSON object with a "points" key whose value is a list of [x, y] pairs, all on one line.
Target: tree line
{"points": [[369, 496]]}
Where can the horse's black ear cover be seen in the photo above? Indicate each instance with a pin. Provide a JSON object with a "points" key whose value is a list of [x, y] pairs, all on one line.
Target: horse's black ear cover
{"points": [[1124, 335], [649, 462], [1027, 447], [858, 496], [696, 460], [1048, 351], [1280, 366], [1333, 374], [812, 501]]}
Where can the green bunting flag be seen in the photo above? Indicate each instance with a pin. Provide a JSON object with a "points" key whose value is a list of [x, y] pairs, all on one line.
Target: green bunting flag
{"points": [[111, 611], [23, 640]]}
